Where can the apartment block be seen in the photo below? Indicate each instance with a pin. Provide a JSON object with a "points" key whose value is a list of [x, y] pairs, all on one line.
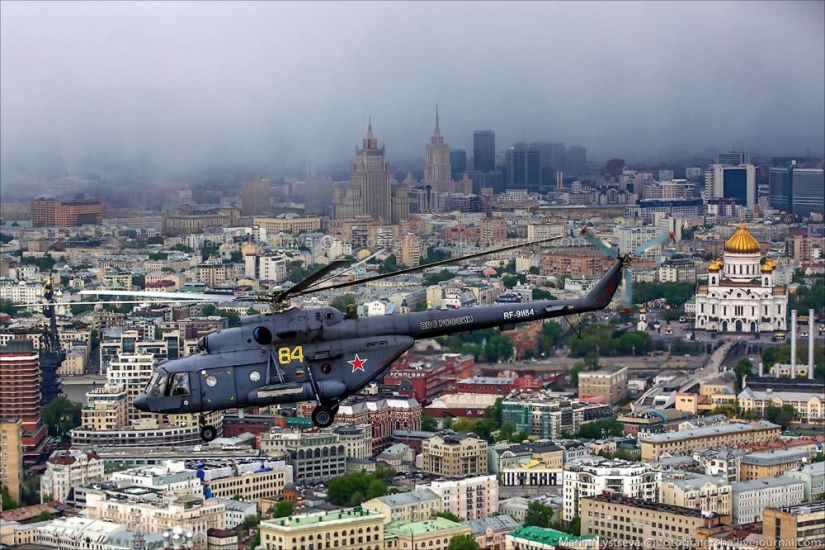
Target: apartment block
{"points": [[65, 469], [772, 463], [609, 383], [407, 507], [629, 521], [728, 435], [701, 492], [434, 533], [794, 527], [751, 498], [454, 455], [11, 456], [813, 476], [470, 498], [594, 476], [348, 528], [314, 457]]}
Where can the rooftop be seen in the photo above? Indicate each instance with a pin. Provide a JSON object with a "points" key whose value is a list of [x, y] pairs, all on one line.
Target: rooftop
{"points": [[811, 508], [344, 516], [412, 497], [766, 483], [548, 536], [709, 431], [770, 458], [498, 524], [658, 506], [421, 527]]}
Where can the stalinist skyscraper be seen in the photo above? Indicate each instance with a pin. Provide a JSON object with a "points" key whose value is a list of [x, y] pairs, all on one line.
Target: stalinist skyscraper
{"points": [[437, 170], [371, 177]]}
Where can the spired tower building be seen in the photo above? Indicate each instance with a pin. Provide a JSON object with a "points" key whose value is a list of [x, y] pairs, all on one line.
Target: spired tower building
{"points": [[437, 170], [371, 177], [741, 295]]}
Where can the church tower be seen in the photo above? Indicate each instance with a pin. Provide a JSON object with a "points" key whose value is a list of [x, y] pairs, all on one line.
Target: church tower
{"points": [[437, 169], [371, 175]]}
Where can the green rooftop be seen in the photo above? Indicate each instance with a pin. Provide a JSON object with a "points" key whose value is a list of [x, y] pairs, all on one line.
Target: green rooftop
{"points": [[420, 527], [347, 514], [549, 536]]}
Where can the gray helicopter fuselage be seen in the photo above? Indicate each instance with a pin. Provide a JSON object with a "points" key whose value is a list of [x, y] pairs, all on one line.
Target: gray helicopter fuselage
{"points": [[323, 354]]}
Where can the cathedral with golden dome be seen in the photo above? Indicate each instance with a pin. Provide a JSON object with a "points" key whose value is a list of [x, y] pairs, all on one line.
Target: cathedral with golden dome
{"points": [[740, 295]]}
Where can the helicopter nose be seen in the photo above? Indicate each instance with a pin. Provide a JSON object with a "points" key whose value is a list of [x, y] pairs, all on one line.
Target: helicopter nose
{"points": [[141, 403]]}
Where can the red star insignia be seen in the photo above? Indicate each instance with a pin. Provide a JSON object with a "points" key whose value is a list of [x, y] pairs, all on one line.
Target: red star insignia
{"points": [[357, 364]]}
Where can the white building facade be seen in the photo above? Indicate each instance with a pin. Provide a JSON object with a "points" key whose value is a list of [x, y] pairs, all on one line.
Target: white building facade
{"points": [[590, 477], [741, 295]]}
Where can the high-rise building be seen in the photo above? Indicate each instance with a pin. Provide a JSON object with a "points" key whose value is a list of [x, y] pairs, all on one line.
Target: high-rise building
{"points": [[484, 150], [458, 162], [779, 181], [317, 195], [807, 189], [522, 168], [576, 159], [55, 213], [371, 175], [20, 394], [732, 182], [615, 167], [437, 171], [11, 456], [733, 158], [255, 197]]}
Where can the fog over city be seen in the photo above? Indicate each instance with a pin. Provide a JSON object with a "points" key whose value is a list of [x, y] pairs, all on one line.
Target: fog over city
{"points": [[176, 88]]}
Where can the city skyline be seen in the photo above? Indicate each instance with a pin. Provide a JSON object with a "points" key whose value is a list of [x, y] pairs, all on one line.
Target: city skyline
{"points": [[171, 99]]}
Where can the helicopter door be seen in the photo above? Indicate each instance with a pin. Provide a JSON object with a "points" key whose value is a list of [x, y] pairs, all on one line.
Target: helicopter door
{"points": [[217, 388]]}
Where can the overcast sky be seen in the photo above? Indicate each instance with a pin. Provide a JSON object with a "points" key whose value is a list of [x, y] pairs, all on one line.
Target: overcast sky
{"points": [[187, 86]]}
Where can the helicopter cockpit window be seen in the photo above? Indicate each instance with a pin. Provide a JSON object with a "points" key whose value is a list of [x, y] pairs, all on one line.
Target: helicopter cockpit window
{"points": [[179, 384], [157, 385]]}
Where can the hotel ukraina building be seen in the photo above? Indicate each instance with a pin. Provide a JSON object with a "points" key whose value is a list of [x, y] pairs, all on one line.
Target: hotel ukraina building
{"points": [[741, 295]]}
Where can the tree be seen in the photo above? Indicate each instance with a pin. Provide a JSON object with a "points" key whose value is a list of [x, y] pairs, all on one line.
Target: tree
{"points": [[233, 316], [448, 515], [61, 415], [341, 302], [208, 310], [236, 257], [538, 515], [139, 281], [783, 415], [283, 509], [539, 294], [428, 422], [600, 429], [463, 542], [8, 503], [353, 489], [443, 275], [743, 368], [7, 307], [45, 515], [251, 521]]}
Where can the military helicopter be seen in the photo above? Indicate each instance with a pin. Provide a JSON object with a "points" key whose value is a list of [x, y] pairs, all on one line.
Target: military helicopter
{"points": [[325, 355]]}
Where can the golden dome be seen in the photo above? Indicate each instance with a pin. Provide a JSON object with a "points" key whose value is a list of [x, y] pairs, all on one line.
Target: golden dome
{"points": [[715, 265], [642, 310], [768, 266], [742, 242]]}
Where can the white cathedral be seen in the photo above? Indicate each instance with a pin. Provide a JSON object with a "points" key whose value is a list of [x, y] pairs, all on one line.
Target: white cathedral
{"points": [[740, 295]]}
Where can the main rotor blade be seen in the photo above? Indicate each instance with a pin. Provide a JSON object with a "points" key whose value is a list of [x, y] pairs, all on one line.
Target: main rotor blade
{"points": [[110, 302], [309, 281], [171, 296], [428, 266]]}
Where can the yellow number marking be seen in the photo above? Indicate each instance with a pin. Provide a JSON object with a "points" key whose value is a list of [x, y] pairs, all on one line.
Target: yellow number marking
{"points": [[288, 355]]}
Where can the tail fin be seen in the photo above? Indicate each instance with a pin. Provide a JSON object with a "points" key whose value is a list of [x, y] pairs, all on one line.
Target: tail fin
{"points": [[601, 294]]}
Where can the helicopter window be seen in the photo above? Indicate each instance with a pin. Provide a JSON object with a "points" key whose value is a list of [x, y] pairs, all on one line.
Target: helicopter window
{"points": [[180, 384], [157, 385]]}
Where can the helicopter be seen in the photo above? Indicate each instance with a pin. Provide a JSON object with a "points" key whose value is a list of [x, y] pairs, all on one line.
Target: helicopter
{"points": [[325, 355]]}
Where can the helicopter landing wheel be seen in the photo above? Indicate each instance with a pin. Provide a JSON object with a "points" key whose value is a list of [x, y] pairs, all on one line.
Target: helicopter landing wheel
{"points": [[335, 409], [208, 433], [323, 416]]}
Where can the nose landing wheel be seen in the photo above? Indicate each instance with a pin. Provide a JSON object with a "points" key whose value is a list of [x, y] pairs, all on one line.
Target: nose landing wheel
{"points": [[323, 416], [208, 433]]}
